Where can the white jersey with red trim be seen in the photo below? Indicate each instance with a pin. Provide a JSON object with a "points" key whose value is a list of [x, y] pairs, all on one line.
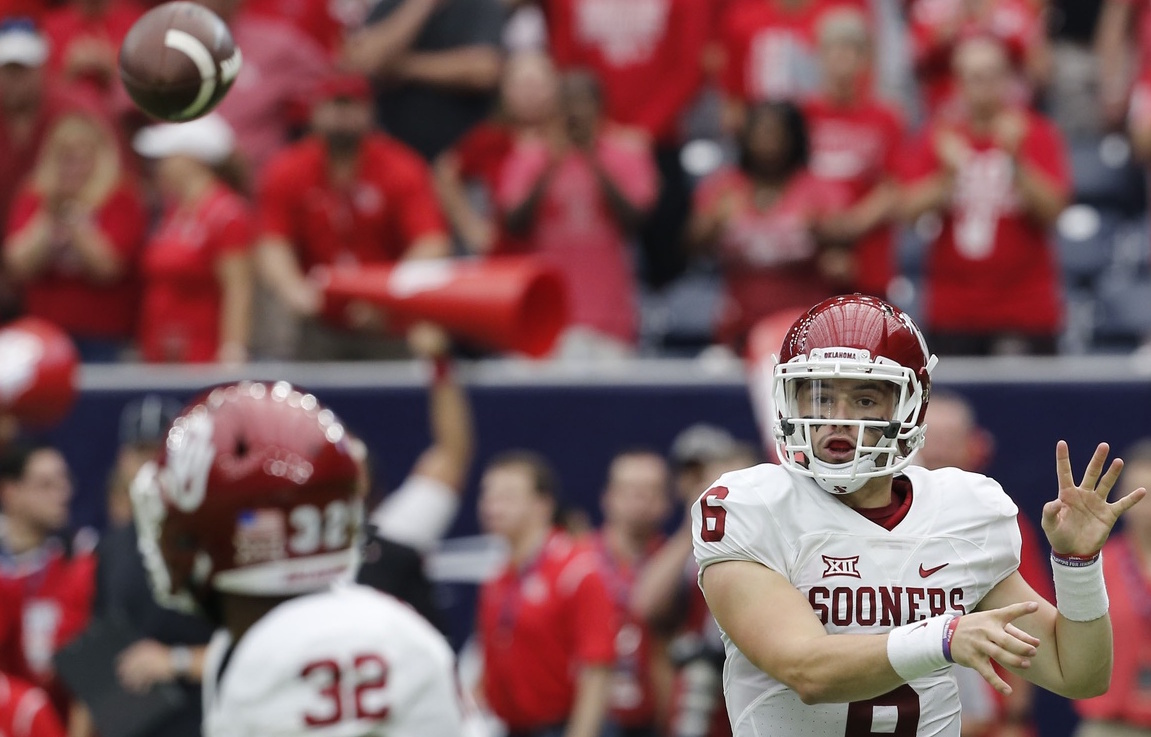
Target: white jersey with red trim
{"points": [[346, 662], [957, 541]]}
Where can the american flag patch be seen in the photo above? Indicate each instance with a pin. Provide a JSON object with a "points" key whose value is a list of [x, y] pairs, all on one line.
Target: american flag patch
{"points": [[260, 536]]}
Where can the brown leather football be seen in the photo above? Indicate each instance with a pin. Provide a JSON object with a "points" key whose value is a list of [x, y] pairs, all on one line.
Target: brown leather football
{"points": [[178, 61]]}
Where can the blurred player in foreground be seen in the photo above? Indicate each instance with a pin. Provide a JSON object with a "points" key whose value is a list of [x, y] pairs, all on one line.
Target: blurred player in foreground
{"points": [[847, 581], [252, 517]]}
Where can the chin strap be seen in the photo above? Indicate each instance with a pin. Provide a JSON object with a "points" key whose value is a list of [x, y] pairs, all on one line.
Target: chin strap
{"points": [[832, 477]]}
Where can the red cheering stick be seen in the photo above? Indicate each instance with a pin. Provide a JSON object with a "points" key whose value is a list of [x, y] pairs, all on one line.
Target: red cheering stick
{"points": [[512, 303]]}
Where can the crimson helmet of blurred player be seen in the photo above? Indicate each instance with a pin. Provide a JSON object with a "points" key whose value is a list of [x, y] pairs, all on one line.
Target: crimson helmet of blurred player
{"points": [[38, 371], [254, 494], [853, 337]]}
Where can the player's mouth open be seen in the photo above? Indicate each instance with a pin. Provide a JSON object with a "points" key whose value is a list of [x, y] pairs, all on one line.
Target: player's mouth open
{"points": [[839, 448]]}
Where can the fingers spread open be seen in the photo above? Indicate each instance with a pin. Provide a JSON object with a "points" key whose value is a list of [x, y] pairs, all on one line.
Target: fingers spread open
{"points": [[1019, 634], [1109, 478], [984, 669], [1063, 465], [1095, 466]]}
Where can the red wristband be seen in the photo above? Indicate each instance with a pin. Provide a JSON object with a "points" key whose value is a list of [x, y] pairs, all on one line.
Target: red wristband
{"points": [[948, 634], [1074, 561]]}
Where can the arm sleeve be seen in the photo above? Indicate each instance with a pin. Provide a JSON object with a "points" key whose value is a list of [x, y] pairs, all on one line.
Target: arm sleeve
{"points": [[522, 169], [731, 522], [632, 170], [234, 232], [418, 514]]}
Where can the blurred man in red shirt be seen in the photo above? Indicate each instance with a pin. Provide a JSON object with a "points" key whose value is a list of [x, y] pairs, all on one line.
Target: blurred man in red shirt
{"points": [[855, 140], [999, 178], [46, 580], [635, 503], [547, 624], [1122, 36], [344, 196], [575, 196]]}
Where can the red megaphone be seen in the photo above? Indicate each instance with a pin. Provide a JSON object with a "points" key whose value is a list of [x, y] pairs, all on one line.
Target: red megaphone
{"points": [[512, 303], [38, 371]]}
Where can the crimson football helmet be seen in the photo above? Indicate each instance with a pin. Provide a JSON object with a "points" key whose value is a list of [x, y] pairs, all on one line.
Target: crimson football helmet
{"points": [[254, 493], [861, 338]]}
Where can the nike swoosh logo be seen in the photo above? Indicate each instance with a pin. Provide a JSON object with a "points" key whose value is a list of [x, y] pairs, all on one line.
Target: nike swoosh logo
{"points": [[925, 572]]}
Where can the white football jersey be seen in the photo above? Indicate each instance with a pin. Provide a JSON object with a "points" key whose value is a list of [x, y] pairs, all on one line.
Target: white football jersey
{"points": [[958, 540], [345, 662]]}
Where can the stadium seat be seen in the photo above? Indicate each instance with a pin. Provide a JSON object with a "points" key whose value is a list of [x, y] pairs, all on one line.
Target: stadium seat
{"points": [[680, 319], [1086, 239], [1105, 175], [1124, 304]]}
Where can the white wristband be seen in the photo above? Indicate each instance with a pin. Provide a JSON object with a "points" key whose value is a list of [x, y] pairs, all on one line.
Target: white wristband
{"points": [[918, 649], [1080, 593]]}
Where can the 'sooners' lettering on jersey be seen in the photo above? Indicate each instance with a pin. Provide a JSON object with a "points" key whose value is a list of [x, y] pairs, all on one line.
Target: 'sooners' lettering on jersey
{"points": [[886, 606]]}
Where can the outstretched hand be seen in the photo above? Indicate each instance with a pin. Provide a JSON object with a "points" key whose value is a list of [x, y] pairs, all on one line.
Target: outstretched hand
{"points": [[1080, 519], [985, 636]]}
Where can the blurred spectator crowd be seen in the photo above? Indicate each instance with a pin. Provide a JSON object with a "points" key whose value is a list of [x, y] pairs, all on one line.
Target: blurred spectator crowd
{"points": [[691, 167]]}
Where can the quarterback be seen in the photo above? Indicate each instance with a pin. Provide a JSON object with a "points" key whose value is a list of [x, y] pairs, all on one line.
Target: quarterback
{"points": [[251, 517], [847, 581]]}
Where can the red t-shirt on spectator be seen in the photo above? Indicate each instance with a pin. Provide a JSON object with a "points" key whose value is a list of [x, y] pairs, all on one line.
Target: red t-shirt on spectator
{"points": [[49, 591], [771, 50], [1018, 24], [769, 256], [575, 231], [180, 317], [68, 299], [391, 204], [858, 146], [25, 710], [994, 268], [632, 698], [647, 54], [537, 626]]}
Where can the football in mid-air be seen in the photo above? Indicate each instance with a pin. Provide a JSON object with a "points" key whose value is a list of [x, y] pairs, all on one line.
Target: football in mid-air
{"points": [[178, 61]]}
